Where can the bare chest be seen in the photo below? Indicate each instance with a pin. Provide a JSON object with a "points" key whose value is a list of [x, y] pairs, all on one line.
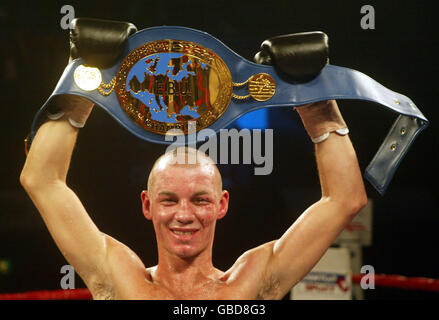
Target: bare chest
{"points": [[143, 289], [137, 284], [129, 279]]}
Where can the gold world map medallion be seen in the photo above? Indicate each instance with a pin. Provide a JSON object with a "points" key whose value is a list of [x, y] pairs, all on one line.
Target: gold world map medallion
{"points": [[164, 84], [261, 87]]}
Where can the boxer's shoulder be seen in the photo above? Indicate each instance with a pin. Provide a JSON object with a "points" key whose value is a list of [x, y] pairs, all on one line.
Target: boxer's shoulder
{"points": [[122, 269], [249, 272], [256, 257], [118, 251]]}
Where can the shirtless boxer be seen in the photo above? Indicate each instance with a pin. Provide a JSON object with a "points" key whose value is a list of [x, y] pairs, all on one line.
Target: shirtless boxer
{"points": [[184, 201]]}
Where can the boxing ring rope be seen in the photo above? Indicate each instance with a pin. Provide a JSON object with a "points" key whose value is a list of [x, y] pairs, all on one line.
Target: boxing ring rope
{"points": [[381, 280], [401, 282], [68, 294]]}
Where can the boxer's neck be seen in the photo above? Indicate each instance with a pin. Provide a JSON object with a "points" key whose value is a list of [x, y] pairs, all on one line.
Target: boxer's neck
{"points": [[173, 271]]}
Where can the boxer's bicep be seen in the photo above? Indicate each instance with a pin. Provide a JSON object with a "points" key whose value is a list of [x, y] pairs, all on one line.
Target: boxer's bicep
{"points": [[72, 229], [305, 242]]}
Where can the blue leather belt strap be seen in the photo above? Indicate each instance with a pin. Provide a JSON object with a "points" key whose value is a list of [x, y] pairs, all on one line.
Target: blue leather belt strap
{"points": [[332, 83]]}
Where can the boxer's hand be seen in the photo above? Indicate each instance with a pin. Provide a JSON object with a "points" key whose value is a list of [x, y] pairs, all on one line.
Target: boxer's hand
{"points": [[99, 42], [76, 109], [321, 118], [301, 56]]}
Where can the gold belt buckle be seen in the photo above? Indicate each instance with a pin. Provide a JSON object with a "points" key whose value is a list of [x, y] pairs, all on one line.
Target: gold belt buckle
{"points": [[164, 84]]}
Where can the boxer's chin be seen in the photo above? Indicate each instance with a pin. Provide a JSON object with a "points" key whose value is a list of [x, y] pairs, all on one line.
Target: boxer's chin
{"points": [[186, 251]]}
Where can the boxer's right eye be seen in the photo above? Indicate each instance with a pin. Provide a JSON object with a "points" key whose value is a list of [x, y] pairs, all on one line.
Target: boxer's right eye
{"points": [[168, 201]]}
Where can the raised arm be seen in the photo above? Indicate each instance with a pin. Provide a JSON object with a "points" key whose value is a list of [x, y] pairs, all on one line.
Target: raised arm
{"points": [[291, 257], [44, 179]]}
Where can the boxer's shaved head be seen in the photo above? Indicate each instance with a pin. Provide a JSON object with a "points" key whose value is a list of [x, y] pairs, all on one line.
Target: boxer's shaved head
{"points": [[184, 200], [185, 157]]}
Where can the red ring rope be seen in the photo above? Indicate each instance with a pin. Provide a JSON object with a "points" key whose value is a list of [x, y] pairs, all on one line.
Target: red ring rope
{"points": [[74, 294], [381, 280]]}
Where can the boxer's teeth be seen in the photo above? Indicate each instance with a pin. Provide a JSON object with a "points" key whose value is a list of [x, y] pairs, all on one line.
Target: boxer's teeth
{"points": [[183, 233]]}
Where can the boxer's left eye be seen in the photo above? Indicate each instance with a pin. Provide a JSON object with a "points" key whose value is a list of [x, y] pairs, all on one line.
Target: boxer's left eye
{"points": [[201, 200]]}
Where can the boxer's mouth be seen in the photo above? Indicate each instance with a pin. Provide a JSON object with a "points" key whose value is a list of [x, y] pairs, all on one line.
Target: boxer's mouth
{"points": [[184, 232]]}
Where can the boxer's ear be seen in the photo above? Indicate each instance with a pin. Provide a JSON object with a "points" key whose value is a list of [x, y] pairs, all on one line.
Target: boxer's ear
{"points": [[224, 204], [146, 205]]}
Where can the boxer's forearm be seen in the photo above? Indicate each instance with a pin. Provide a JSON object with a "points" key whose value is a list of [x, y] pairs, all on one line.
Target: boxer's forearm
{"points": [[339, 172], [49, 156], [305, 242]]}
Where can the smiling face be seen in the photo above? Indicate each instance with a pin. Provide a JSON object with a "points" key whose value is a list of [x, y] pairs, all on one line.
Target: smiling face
{"points": [[184, 201]]}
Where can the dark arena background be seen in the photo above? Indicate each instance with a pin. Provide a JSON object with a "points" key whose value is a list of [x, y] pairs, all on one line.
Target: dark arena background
{"points": [[110, 165]]}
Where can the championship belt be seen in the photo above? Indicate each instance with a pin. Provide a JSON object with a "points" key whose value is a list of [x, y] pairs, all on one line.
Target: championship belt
{"points": [[171, 78]]}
